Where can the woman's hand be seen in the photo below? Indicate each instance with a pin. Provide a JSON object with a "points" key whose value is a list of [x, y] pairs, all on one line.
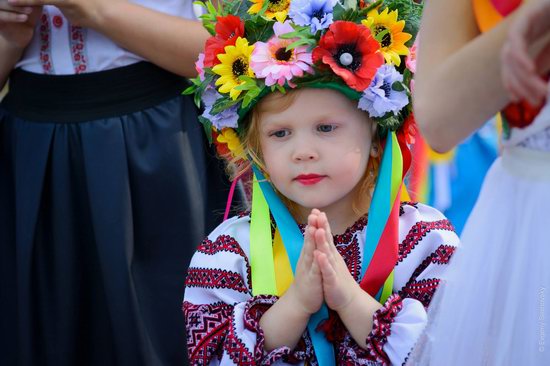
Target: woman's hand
{"points": [[521, 66], [84, 13], [17, 24], [339, 287]]}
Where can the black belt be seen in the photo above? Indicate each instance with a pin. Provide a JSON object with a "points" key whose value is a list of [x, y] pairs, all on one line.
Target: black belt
{"points": [[90, 96]]}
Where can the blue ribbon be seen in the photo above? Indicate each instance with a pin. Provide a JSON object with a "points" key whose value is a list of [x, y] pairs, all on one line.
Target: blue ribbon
{"points": [[380, 205], [293, 241]]}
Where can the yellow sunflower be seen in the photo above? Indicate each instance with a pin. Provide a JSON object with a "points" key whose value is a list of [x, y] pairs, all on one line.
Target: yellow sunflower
{"points": [[234, 63], [277, 9], [393, 41], [229, 137]]}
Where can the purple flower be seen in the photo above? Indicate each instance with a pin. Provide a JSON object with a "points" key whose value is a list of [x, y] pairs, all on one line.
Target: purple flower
{"points": [[226, 118], [380, 97], [315, 13]]}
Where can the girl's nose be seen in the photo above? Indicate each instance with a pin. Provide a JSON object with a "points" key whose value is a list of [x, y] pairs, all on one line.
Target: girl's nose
{"points": [[305, 154]]}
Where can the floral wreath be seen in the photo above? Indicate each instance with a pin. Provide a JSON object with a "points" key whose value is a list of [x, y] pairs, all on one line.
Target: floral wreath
{"points": [[364, 50]]}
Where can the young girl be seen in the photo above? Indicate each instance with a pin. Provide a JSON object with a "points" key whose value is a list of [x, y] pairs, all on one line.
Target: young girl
{"points": [[260, 287]]}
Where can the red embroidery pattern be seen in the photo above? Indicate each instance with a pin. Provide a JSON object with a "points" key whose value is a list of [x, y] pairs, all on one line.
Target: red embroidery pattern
{"points": [[207, 327], [442, 255], [57, 21], [45, 44], [418, 232], [350, 252], [80, 59], [381, 328], [215, 278], [351, 354], [236, 349], [226, 243], [422, 290]]}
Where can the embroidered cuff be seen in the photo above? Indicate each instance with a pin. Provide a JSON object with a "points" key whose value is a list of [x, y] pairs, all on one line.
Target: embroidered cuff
{"points": [[254, 310], [381, 327]]}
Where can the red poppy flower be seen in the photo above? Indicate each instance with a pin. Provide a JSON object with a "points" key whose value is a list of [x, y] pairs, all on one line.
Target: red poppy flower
{"points": [[228, 29], [409, 129], [221, 148], [351, 52]]}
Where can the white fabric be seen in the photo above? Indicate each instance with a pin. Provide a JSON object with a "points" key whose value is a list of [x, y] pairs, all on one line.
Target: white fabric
{"points": [[102, 53], [494, 309], [405, 330], [409, 322]]}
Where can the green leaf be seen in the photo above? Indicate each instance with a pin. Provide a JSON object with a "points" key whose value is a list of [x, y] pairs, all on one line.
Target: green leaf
{"points": [[380, 36], [238, 8], [372, 6], [250, 97], [258, 29], [389, 122], [222, 104], [409, 11], [299, 32], [280, 88], [301, 42], [207, 125], [398, 86], [211, 9], [190, 90]]}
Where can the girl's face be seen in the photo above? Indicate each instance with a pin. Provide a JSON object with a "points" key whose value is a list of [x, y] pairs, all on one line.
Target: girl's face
{"points": [[316, 150]]}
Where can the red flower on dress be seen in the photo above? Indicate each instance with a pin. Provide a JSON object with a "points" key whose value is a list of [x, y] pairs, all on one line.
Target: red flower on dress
{"points": [[351, 52], [228, 29]]}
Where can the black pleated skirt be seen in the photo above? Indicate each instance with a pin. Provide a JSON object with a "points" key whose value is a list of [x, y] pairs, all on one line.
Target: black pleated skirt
{"points": [[106, 188]]}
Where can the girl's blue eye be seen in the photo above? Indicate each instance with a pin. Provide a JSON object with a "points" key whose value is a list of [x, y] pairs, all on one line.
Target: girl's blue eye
{"points": [[279, 133], [326, 128]]}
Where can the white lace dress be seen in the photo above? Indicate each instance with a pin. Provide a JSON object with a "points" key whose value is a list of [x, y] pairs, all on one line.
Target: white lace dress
{"points": [[495, 305]]}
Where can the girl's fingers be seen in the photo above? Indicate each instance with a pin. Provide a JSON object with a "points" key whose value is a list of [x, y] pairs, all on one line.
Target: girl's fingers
{"points": [[327, 271], [324, 247], [315, 270], [312, 220], [12, 17], [328, 233], [309, 246], [15, 9], [33, 2]]}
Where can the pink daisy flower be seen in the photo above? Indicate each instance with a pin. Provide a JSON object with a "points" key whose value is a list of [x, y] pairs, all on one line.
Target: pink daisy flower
{"points": [[199, 66], [273, 62], [410, 61]]}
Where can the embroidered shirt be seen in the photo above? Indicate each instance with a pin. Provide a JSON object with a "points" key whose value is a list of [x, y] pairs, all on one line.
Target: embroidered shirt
{"points": [[59, 48], [222, 317]]}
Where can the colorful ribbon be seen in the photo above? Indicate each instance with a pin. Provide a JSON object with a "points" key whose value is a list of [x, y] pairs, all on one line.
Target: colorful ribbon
{"points": [[292, 239], [381, 237]]}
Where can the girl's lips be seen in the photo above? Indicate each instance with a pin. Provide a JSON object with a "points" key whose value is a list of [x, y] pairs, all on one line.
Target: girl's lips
{"points": [[309, 179]]}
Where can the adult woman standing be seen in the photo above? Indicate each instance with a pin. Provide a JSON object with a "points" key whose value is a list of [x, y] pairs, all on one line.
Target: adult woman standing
{"points": [[103, 180], [490, 310]]}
